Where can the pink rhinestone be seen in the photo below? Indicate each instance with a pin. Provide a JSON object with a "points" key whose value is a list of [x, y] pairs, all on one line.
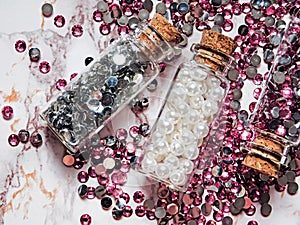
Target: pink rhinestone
{"points": [[91, 193], [218, 216], [280, 130], [44, 67], [125, 166], [85, 219], [150, 215], [92, 172], [119, 178], [287, 92], [138, 196], [127, 211], [250, 211], [77, 30], [20, 46], [110, 188], [201, 220], [13, 140], [140, 211], [123, 30], [285, 113], [246, 135], [83, 177], [97, 16], [210, 198], [59, 21], [256, 93], [252, 106], [125, 196], [117, 192], [104, 29], [121, 134], [60, 84], [134, 131], [99, 169], [73, 75], [227, 25], [7, 112], [257, 80], [252, 222], [237, 9], [103, 179], [130, 147], [211, 222]]}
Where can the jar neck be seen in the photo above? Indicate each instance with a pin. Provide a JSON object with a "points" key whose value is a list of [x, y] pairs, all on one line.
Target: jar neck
{"points": [[214, 59], [152, 43]]}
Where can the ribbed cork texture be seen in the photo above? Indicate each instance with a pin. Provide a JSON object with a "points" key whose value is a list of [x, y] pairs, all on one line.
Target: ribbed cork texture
{"points": [[165, 29], [217, 41]]}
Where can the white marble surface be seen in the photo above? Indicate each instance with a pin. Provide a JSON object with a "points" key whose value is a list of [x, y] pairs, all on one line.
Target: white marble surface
{"points": [[35, 187]]}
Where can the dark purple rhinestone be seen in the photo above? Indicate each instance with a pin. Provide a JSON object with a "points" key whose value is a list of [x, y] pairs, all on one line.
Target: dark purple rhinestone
{"points": [[138, 196], [83, 177], [82, 190], [13, 140], [36, 139], [85, 219], [117, 213], [140, 211], [127, 211], [106, 203]]}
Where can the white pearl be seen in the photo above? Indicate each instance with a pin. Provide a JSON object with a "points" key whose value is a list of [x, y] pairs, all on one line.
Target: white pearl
{"points": [[212, 82], [209, 108], [148, 164], [172, 161], [187, 136], [161, 149], [162, 171], [177, 148], [186, 165], [191, 152], [201, 130], [196, 102], [179, 91], [183, 108], [200, 74], [178, 177], [157, 136], [216, 93], [194, 88], [165, 126], [184, 75], [172, 116]]}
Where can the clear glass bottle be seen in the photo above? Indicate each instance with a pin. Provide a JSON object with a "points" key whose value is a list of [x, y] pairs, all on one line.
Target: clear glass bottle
{"points": [[111, 82], [193, 102]]}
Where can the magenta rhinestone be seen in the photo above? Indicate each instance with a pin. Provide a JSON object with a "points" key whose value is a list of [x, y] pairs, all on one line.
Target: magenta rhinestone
{"points": [[20, 46], [44, 67], [150, 215], [227, 25], [104, 29], [287, 92], [121, 134], [134, 131], [110, 188], [77, 30], [83, 177], [246, 135], [138, 196], [91, 193], [123, 30], [125, 196], [92, 172], [256, 93], [250, 211], [218, 216], [140, 211], [97, 16], [130, 147], [103, 179], [59, 21], [201, 220], [280, 130], [13, 140], [117, 192], [211, 222], [7, 112], [119, 178], [252, 222], [127, 211], [60, 84], [85, 219]]}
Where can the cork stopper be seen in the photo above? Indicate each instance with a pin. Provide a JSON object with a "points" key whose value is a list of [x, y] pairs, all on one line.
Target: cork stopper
{"points": [[165, 29], [217, 41]]}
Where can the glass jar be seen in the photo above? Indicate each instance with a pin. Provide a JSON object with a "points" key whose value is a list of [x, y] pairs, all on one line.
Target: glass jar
{"points": [[184, 124], [111, 82]]}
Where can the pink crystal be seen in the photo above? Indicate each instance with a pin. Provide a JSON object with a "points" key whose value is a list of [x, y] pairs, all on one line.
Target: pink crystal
{"points": [[256, 93], [85, 219], [104, 29], [140, 211], [246, 135], [287, 92], [13, 140], [121, 134], [280, 130], [227, 25], [97, 16], [59, 21], [119, 178], [60, 84], [134, 131], [7, 112], [73, 75], [44, 67], [138, 196], [252, 222], [91, 193], [77, 30], [127, 211], [83, 177], [20, 46]]}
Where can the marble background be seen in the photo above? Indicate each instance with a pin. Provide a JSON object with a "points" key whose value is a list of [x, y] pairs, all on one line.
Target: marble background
{"points": [[35, 187]]}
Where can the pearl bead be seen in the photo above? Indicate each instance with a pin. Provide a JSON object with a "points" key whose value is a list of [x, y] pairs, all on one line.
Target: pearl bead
{"points": [[209, 108], [172, 161], [178, 177], [187, 136], [162, 171], [194, 88], [213, 82], [161, 149], [183, 108], [184, 75], [200, 74], [191, 152], [177, 148], [186, 165], [201, 130], [196, 102], [172, 116], [148, 164], [216, 93], [165, 126]]}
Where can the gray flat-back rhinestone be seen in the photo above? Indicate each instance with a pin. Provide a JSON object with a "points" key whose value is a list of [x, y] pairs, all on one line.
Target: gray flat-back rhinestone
{"points": [[102, 6], [280, 25], [148, 5], [251, 71], [275, 39], [269, 55], [161, 8], [160, 212], [269, 21], [133, 23], [279, 77], [237, 94], [187, 28], [216, 28], [107, 18], [233, 74], [257, 14], [219, 19], [266, 209], [143, 14], [255, 60], [235, 105], [47, 9], [290, 176], [123, 20], [292, 188]]}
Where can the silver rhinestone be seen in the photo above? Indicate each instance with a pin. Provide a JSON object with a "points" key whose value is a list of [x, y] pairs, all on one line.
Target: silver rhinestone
{"points": [[133, 23], [219, 19], [235, 105], [251, 71], [275, 39], [257, 14], [285, 59], [279, 77], [107, 18], [143, 15], [160, 212], [280, 25], [269, 21], [269, 55], [123, 20], [216, 28], [233, 74], [237, 94], [187, 28], [102, 6], [293, 131], [47, 10], [275, 112], [161, 8], [255, 60], [292, 38]]}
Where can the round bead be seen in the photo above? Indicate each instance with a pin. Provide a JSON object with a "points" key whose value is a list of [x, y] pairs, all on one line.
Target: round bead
{"points": [[219, 19], [201, 130], [143, 14], [177, 148], [172, 161], [161, 8], [148, 164], [47, 10], [178, 177], [7, 112], [109, 163], [255, 60], [102, 6], [186, 165], [162, 171], [24, 136], [34, 54]]}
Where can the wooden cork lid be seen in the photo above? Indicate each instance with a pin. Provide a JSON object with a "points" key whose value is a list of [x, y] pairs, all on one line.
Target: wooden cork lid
{"points": [[165, 29], [218, 41]]}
